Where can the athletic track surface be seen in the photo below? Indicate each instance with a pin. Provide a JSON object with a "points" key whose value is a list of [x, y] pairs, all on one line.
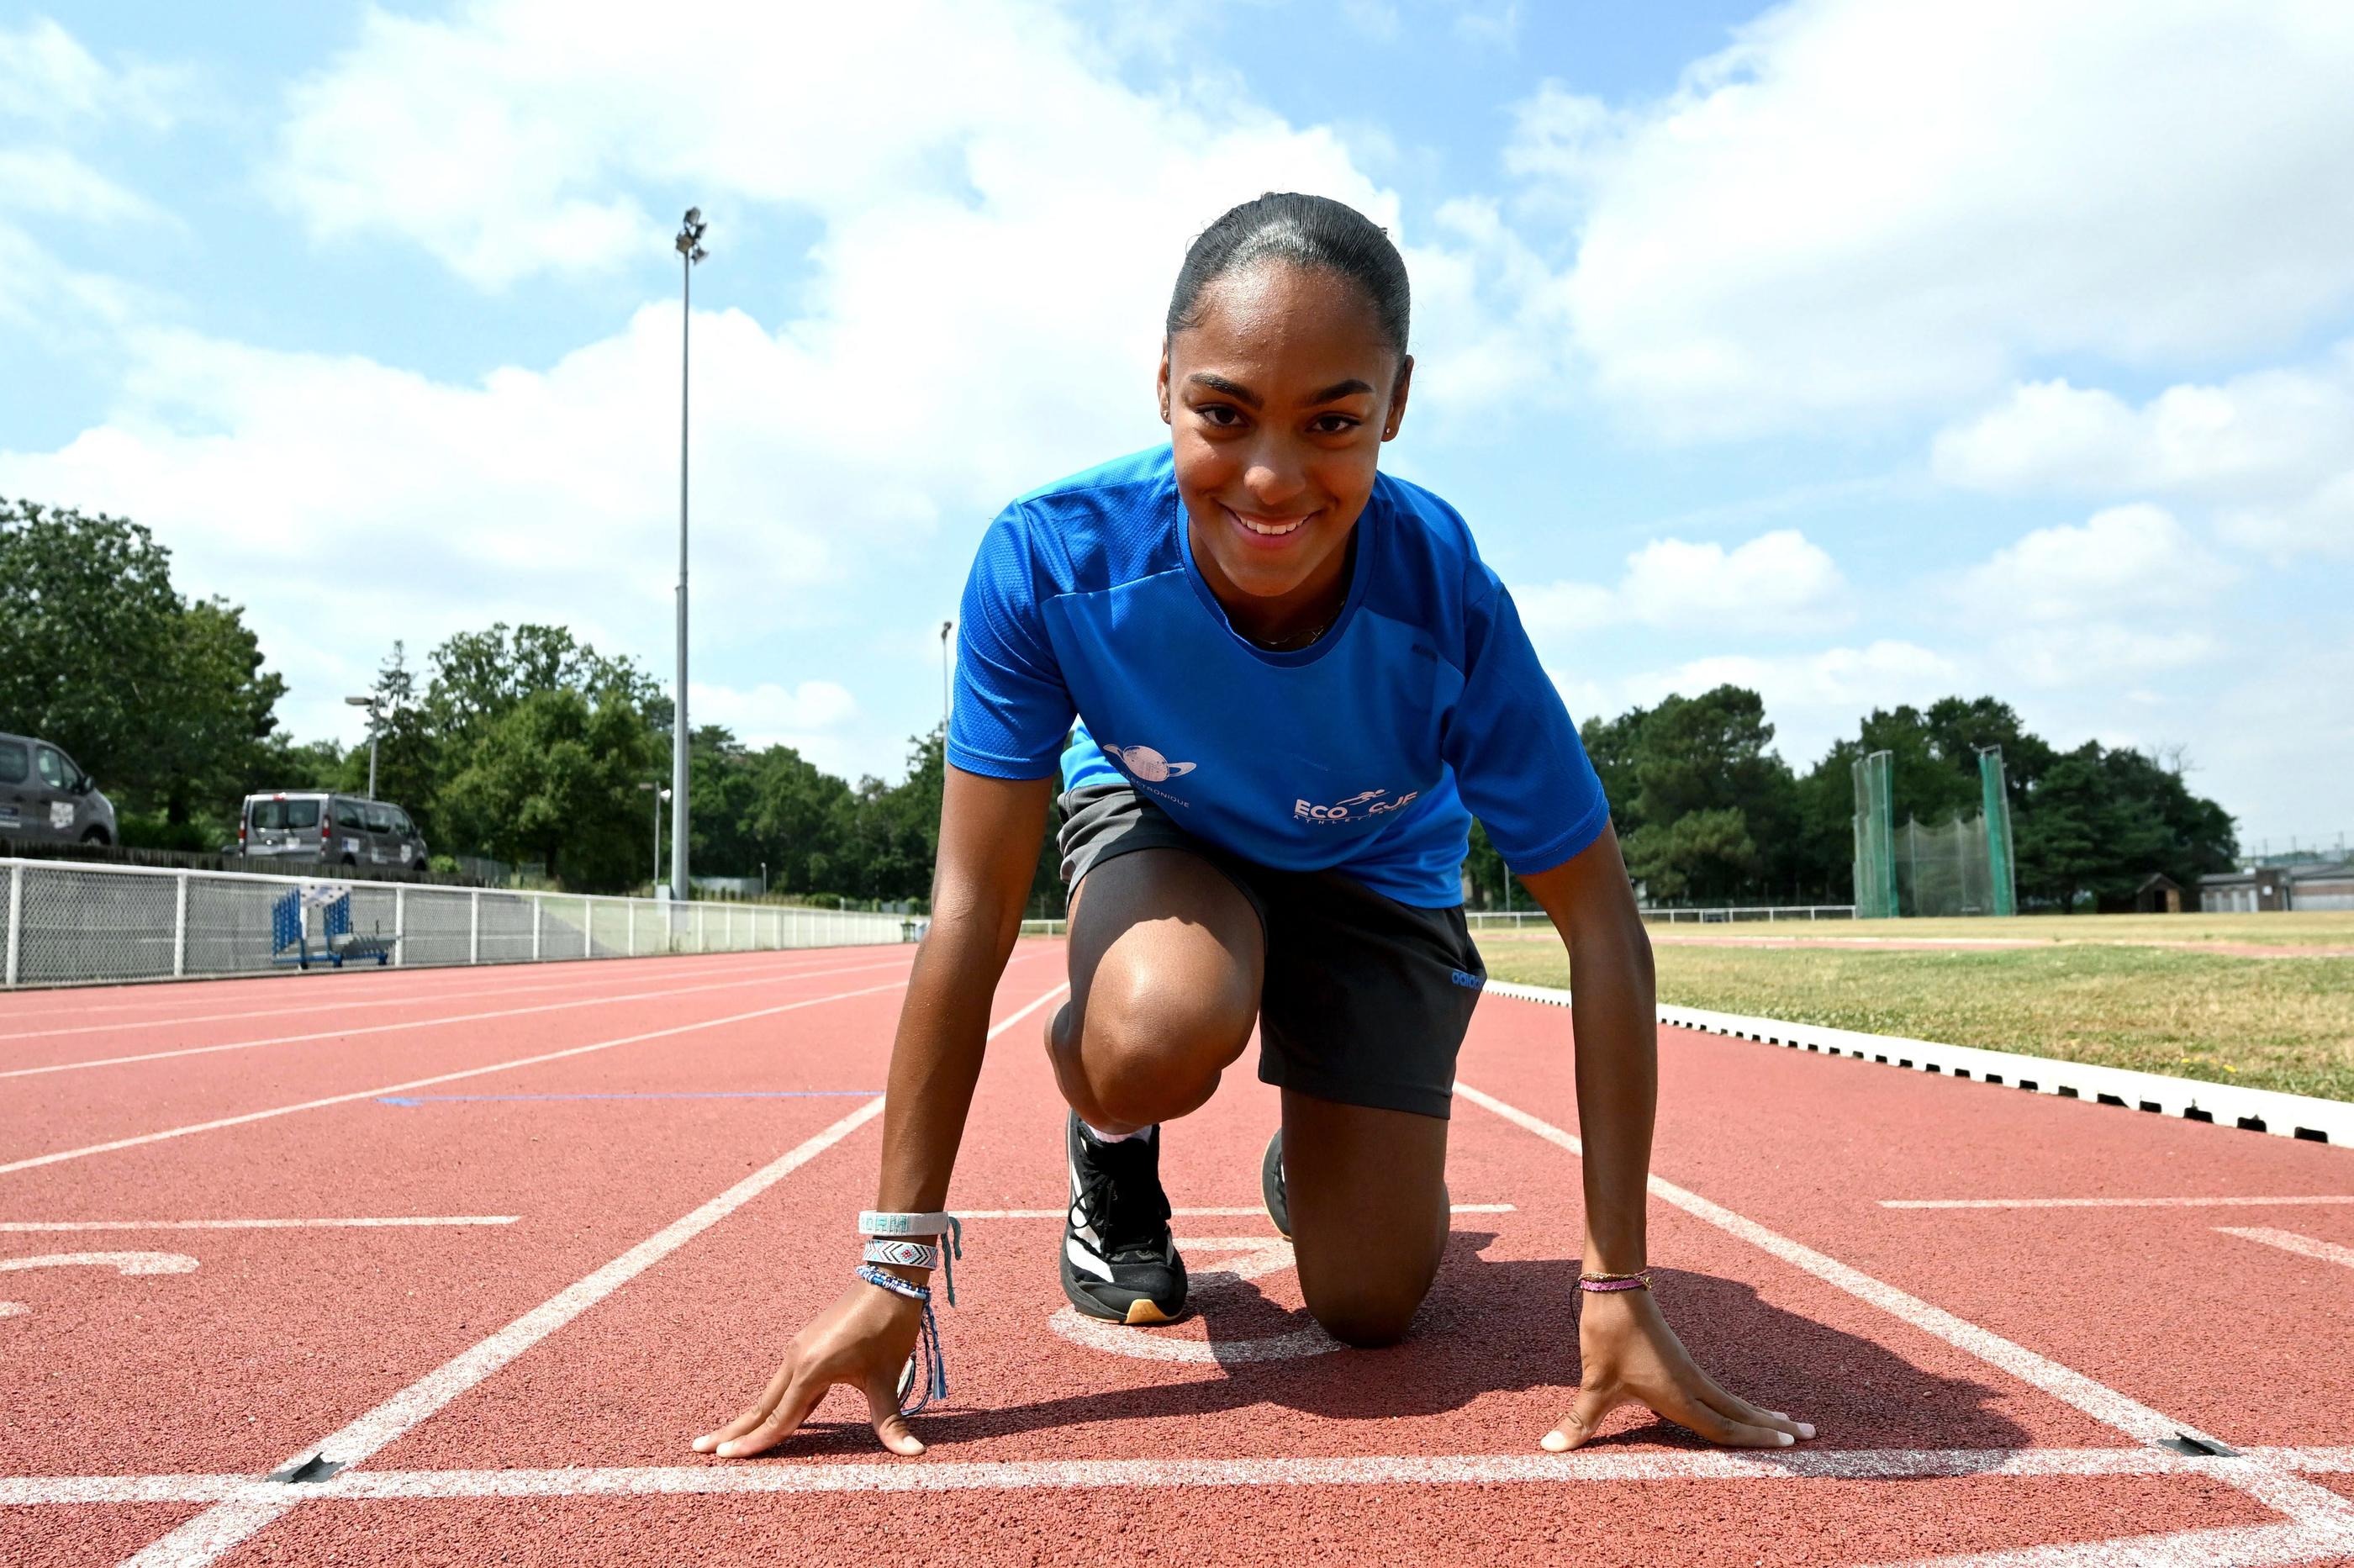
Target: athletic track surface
{"points": [[488, 1248]]}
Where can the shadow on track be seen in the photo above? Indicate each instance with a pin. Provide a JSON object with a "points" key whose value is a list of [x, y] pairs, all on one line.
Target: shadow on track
{"points": [[1511, 1328]]}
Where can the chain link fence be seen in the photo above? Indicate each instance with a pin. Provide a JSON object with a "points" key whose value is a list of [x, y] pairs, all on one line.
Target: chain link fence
{"points": [[65, 924]]}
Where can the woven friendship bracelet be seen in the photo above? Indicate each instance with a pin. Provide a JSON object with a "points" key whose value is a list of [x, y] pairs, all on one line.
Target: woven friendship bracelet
{"points": [[906, 1253], [872, 1223], [1605, 1284], [938, 1224], [935, 1381]]}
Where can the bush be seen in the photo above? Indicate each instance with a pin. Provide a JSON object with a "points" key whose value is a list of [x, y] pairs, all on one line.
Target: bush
{"points": [[143, 830]]}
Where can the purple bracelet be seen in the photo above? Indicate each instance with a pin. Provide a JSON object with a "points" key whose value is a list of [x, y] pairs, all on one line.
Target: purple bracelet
{"points": [[1603, 1284]]}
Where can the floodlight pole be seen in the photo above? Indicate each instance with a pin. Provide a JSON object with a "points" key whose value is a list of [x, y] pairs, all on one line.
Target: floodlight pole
{"points": [[690, 251], [660, 795], [369, 703]]}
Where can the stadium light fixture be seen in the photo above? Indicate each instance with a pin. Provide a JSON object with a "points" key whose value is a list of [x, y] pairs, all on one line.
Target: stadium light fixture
{"points": [[662, 793], [690, 251], [369, 703]]}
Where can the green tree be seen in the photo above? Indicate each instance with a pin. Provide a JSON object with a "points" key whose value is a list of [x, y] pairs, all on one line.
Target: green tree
{"points": [[164, 700], [555, 779], [1704, 808]]}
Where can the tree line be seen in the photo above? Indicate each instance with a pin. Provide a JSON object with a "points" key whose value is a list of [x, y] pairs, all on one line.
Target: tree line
{"points": [[523, 744], [1708, 814]]}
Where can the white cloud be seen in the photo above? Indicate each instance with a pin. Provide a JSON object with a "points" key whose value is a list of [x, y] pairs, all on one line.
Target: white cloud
{"points": [[998, 231], [50, 180], [1812, 698], [1777, 580], [2272, 451], [1860, 208], [810, 717], [2122, 560], [2118, 599], [46, 75]]}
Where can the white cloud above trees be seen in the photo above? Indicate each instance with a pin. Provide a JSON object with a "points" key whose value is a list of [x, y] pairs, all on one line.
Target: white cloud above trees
{"points": [[1860, 210]]}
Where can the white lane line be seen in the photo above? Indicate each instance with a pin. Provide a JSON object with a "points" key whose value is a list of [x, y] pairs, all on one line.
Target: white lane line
{"points": [[125, 1263], [2111, 1202], [2304, 1503], [222, 1528], [2289, 1241], [1224, 1213], [1586, 1466], [364, 987], [22, 1225], [215, 1125], [355, 1032], [419, 997]]}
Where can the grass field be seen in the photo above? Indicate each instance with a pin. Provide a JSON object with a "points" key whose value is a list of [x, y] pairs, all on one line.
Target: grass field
{"points": [[2330, 928], [2100, 996]]}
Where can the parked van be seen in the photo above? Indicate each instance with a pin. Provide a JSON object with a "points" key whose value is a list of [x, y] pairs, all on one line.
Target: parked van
{"points": [[321, 827], [44, 797]]}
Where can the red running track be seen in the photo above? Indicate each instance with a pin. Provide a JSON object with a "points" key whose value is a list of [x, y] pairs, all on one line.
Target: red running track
{"points": [[639, 1176]]}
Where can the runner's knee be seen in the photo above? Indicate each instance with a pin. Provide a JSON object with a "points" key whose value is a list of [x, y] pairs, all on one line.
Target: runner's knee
{"points": [[1155, 1042]]}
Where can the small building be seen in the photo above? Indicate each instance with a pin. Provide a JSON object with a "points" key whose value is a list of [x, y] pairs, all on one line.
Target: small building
{"points": [[2313, 884], [2158, 895], [2328, 885]]}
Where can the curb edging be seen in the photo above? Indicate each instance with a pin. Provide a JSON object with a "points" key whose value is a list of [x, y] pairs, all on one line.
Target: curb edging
{"points": [[2226, 1105]]}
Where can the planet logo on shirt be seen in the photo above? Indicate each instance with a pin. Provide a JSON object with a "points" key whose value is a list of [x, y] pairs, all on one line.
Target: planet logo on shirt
{"points": [[1150, 765]]}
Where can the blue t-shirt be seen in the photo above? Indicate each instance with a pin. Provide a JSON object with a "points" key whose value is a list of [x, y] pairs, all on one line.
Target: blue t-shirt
{"points": [[1365, 752]]}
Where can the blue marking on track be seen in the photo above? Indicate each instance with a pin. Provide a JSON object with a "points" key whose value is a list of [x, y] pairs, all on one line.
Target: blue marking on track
{"points": [[709, 1095]]}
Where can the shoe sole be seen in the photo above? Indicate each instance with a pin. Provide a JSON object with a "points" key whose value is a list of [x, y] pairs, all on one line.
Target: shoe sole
{"points": [[1110, 1303], [1117, 1305], [1270, 1183]]}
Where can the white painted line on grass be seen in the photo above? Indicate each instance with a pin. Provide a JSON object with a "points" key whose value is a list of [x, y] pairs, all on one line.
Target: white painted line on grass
{"points": [[223, 1527], [354, 1033], [2289, 1241], [2229, 1104], [215, 1125], [1589, 1466], [1238, 1212], [2308, 1505], [22, 1226], [2107, 1202]]}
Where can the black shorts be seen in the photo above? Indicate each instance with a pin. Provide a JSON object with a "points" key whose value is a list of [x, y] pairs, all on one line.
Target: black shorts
{"points": [[1366, 999]]}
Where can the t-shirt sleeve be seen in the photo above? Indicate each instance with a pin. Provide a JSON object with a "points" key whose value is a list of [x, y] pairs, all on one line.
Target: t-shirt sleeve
{"points": [[1517, 762], [1012, 709]]}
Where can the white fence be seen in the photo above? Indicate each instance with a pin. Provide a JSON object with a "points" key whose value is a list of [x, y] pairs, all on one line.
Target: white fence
{"points": [[68, 923]]}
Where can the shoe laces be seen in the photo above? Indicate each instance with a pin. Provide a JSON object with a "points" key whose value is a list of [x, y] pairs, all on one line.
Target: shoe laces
{"points": [[1121, 1198]]}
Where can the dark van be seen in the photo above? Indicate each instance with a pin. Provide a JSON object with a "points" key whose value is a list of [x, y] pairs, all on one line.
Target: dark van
{"points": [[321, 827], [46, 799]]}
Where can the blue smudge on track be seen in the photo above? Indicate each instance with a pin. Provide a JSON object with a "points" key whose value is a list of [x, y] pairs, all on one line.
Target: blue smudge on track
{"points": [[710, 1095]]}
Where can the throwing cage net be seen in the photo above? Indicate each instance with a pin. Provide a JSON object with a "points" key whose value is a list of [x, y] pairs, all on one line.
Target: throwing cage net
{"points": [[1958, 867]]}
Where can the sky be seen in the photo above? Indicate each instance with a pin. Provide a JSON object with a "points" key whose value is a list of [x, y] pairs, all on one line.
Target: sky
{"points": [[1862, 352]]}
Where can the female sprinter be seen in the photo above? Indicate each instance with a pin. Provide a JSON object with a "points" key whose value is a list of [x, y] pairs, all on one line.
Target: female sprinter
{"points": [[1297, 682]]}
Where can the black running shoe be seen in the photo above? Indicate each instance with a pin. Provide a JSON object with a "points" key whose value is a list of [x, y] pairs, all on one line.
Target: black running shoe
{"points": [[1270, 1185], [1120, 1262]]}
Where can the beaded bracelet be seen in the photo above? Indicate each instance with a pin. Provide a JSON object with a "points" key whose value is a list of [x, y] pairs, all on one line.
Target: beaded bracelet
{"points": [[935, 1381], [1605, 1284]]}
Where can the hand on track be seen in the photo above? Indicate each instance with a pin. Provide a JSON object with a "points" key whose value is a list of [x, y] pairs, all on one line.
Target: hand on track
{"points": [[1632, 1357], [863, 1341]]}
